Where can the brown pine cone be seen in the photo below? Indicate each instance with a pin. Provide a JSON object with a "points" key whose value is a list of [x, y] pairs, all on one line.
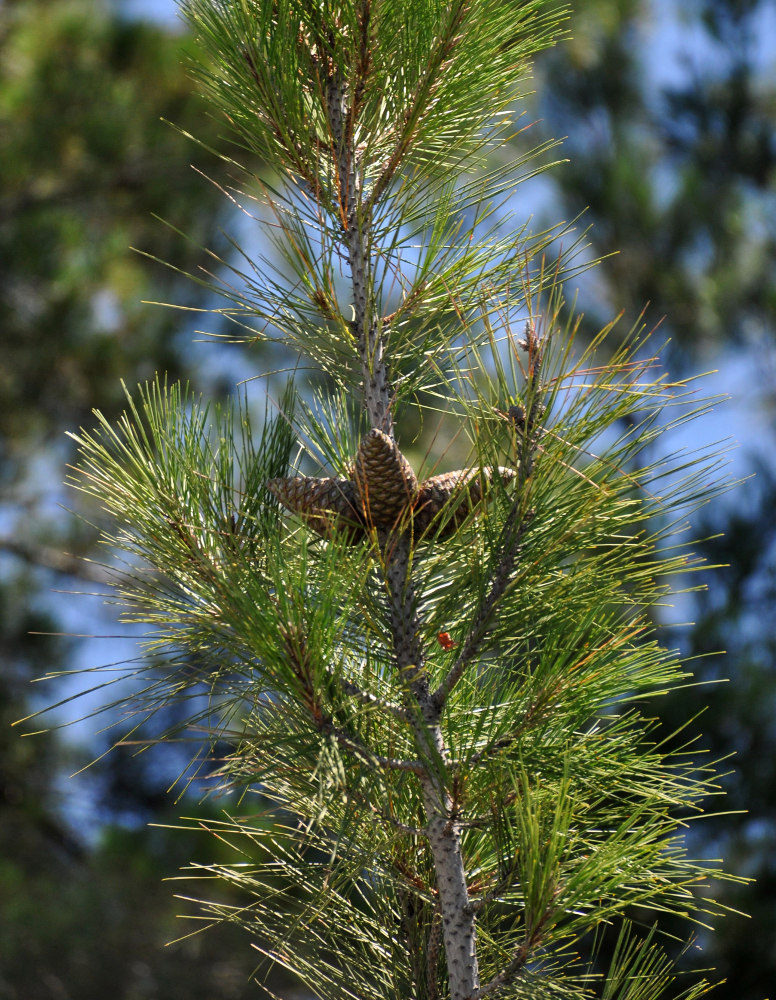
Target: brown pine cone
{"points": [[325, 505], [448, 499], [384, 479]]}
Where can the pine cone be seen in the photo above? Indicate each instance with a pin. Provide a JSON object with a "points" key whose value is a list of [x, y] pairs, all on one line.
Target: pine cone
{"points": [[460, 492], [384, 480], [325, 505], [383, 489]]}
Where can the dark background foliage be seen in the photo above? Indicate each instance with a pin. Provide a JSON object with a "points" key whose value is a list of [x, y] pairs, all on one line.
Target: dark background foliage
{"points": [[669, 111]]}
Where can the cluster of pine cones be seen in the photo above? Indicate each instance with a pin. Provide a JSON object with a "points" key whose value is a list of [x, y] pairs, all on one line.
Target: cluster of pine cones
{"points": [[384, 493]]}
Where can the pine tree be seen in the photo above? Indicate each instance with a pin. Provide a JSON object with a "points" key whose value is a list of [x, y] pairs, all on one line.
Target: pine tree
{"points": [[428, 679]]}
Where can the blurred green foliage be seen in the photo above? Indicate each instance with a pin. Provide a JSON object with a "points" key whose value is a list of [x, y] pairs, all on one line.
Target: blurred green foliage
{"points": [[670, 135], [85, 165]]}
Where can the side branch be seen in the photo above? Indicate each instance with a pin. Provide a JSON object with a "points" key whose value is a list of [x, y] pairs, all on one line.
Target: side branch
{"points": [[384, 817], [507, 975], [526, 427], [372, 701], [365, 755], [436, 64], [512, 535], [520, 957]]}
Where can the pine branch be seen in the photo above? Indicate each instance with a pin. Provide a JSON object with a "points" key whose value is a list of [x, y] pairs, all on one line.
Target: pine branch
{"points": [[527, 428], [342, 100], [370, 700], [514, 529], [443, 836], [509, 974], [436, 64], [372, 760], [498, 826]]}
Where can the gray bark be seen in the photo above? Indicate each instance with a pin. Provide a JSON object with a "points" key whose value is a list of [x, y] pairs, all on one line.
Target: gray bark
{"points": [[443, 829]]}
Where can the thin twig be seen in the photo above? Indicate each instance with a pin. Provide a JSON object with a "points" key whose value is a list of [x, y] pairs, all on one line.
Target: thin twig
{"points": [[476, 903], [512, 534], [410, 831], [505, 977], [520, 957], [435, 65], [367, 756], [432, 956], [354, 691]]}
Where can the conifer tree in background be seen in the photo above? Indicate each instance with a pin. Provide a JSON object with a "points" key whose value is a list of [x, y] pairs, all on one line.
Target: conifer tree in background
{"points": [[429, 677]]}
